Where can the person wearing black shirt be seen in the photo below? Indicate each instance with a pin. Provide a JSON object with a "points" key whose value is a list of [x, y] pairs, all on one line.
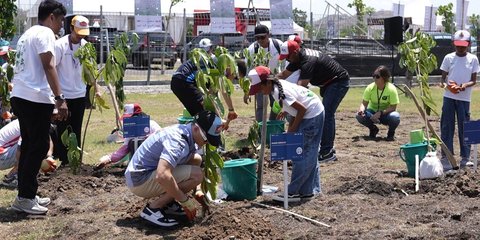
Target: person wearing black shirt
{"points": [[319, 70]]}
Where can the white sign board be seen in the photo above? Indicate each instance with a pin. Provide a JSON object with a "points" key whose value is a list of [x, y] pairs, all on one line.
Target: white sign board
{"points": [[461, 14], [222, 16], [281, 16], [148, 17], [430, 20]]}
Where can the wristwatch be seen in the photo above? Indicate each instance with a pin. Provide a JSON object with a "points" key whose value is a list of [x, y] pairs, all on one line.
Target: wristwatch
{"points": [[60, 97]]}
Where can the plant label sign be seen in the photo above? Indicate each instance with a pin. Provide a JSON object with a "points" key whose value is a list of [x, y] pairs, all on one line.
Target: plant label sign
{"points": [[136, 126], [286, 146], [471, 132]]}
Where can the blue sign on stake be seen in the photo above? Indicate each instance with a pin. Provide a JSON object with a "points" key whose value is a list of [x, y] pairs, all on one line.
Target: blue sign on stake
{"points": [[471, 132], [286, 146]]}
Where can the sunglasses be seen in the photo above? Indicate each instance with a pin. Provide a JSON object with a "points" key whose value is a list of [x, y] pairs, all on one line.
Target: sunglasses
{"points": [[204, 137], [260, 37], [376, 76]]}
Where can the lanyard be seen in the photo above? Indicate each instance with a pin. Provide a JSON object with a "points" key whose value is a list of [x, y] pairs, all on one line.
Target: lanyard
{"points": [[380, 97]]}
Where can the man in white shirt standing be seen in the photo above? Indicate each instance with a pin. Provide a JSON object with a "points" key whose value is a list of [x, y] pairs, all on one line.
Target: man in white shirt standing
{"points": [[70, 76], [459, 75], [36, 92], [272, 46]]}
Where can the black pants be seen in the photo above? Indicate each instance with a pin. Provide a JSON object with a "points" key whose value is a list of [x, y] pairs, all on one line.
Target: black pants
{"points": [[189, 94], [34, 119], [76, 109]]}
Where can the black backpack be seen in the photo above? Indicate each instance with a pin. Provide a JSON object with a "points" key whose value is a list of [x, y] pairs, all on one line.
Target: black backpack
{"points": [[275, 43]]}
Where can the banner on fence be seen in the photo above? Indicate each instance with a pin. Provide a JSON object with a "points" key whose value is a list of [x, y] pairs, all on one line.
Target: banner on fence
{"points": [[281, 16], [148, 17], [222, 16]]}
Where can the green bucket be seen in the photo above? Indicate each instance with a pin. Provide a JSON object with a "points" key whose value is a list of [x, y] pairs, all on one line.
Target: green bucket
{"points": [[184, 120], [239, 179], [273, 127], [407, 154]]}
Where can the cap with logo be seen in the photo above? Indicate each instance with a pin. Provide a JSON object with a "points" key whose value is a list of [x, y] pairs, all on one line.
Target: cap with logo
{"points": [[211, 124], [261, 30], [461, 38], [288, 48], [131, 109], [257, 75], [80, 25]]}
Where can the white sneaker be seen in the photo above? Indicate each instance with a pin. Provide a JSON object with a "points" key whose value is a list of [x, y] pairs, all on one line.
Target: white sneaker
{"points": [[291, 198], [29, 206], [42, 201]]}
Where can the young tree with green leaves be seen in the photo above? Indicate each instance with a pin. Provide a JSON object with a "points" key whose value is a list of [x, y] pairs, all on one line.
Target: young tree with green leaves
{"points": [[7, 18], [361, 10], [446, 12], [417, 58], [474, 24]]}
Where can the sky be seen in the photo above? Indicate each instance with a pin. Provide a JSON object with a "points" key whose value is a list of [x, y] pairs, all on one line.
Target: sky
{"points": [[413, 8]]}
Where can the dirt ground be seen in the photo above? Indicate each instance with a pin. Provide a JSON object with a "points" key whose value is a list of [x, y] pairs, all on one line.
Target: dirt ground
{"points": [[364, 196]]}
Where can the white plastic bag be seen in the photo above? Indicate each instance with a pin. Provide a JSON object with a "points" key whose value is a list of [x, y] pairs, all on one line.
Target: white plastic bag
{"points": [[430, 166]]}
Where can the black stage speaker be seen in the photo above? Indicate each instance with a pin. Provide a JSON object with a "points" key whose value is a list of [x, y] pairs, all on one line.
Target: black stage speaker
{"points": [[393, 30]]}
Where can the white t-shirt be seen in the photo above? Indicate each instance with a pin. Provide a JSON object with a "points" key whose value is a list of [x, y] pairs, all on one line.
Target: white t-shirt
{"points": [[273, 62], [460, 70], [293, 93], [30, 80], [69, 69], [9, 135]]}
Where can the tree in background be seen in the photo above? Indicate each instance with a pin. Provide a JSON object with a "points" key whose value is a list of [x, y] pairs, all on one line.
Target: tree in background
{"points": [[300, 17], [474, 24], [7, 18], [361, 9], [446, 12]]}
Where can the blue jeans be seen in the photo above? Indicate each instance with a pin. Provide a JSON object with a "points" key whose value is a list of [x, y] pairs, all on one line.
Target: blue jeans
{"points": [[332, 95], [306, 172], [392, 120], [461, 109]]}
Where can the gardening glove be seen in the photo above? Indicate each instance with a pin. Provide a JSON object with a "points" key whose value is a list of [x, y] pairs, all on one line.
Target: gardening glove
{"points": [[200, 197], [453, 87], [104, 161], [189, 208], [48, 165]]}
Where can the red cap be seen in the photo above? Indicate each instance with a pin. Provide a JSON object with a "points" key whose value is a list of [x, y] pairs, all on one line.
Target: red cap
{"points": [[295, 38], [257, 75], [288, 48], [4, 50], [131, 110]]}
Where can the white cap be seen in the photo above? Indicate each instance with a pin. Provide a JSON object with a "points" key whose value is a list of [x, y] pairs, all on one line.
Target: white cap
{"points": [[205, 43], [461, 38]]}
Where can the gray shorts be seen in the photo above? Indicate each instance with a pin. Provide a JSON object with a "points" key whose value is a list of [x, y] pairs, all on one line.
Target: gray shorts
{"points": [[7, 159]]}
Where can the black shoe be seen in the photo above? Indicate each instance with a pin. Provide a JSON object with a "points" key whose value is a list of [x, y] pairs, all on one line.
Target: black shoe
{"points": [[390, 138], [329, 157], [373, 132], [157, 217]]}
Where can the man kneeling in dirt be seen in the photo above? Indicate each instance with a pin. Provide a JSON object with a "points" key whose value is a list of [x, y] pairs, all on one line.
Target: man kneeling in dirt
{"points": [[166, 166]]}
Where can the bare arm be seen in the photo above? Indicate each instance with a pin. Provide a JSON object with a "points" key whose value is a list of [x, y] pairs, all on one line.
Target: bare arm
{"points": [[301, 110], [303, 82], [473, 81], [165, 178], [361, 109], [443, 80], [284, 74]]}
